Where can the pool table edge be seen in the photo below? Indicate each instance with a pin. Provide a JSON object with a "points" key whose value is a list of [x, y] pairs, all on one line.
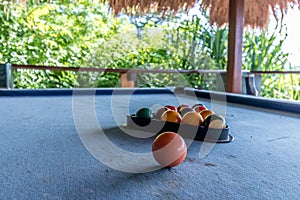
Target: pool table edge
{"points": [[83, 91], [268, 103]]}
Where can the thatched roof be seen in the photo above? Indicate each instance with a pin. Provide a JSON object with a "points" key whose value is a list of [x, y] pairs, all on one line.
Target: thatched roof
{"points": [[256, 11], [144, 6]]}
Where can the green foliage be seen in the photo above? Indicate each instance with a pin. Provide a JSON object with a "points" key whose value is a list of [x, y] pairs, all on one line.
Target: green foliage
{"points": [[195, 45], [43, 79], [95, 79], [123, 50], [161, 47], [84, 33], [184, 42], [52, 34], [263, 50], [282, 86]]}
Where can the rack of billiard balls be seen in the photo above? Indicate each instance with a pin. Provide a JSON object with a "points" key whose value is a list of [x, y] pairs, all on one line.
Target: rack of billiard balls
{"points": [[169, 148], [196, 115]]}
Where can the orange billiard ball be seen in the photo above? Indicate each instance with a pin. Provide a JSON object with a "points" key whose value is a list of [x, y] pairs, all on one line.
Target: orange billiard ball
{"points": [[192, 118], [171, 116], [206, 113], [169, 149]]}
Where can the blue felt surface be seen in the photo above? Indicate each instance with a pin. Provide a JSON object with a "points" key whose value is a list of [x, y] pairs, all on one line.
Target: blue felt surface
{"points": [[42, 156]]}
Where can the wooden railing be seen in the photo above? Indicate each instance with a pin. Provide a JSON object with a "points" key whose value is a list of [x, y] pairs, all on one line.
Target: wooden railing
{"points": [[94, 69], [274, 72], [128, 76]]}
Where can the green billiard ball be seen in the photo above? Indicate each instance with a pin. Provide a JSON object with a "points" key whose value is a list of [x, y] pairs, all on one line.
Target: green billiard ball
{"points": [[144, 112], [215, 121]]}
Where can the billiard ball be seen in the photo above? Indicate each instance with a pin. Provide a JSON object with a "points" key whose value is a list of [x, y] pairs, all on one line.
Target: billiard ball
{"points": [[192, 118], [183, 111], [181, 106], [197, 104], [144, 112], [160, 111], [215, 121], [206, 113], [169, 149], [200, 108], [171, 107], [171, 116]]}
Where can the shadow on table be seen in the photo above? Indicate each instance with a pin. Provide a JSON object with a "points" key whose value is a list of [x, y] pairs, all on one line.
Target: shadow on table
{"points": [[138, 141], [108, 183]]}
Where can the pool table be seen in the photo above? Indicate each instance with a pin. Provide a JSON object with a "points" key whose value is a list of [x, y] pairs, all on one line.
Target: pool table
{"points": [[74, 144]]}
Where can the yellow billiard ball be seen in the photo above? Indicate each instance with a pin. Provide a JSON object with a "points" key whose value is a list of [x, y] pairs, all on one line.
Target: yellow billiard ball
{"points": [[206, 113], [171, 116], [192, 118]]}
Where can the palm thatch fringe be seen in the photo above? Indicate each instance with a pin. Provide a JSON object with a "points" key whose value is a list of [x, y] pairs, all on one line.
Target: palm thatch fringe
{"points": [[144, 6], [257, 12]]}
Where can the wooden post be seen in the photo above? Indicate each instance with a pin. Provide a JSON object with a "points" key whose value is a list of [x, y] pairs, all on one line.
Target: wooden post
{"points": [[235, 46], [125, 82]]}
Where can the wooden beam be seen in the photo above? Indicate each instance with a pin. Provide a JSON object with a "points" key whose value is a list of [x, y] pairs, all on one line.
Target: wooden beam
{"points": [[235, 45], [125, 82]]}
